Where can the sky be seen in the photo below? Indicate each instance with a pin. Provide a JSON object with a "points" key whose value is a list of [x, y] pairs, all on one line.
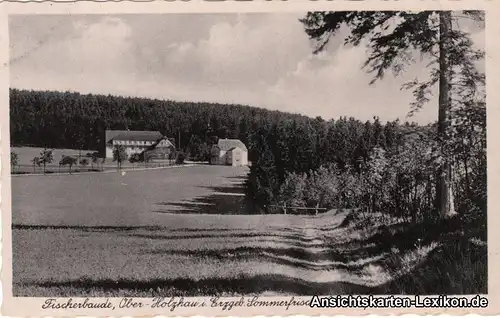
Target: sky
{"points": [[262, 60]]}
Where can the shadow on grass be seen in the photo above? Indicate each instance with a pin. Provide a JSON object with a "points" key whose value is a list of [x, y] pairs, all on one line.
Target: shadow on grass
{"points": [[212, 204], [227, 199], [194, 230], [292, 256], [405, 235], [242, 285], [222, 235], [456, 268], [248, 252], [273, 229], [239, 178], [233, 189]]}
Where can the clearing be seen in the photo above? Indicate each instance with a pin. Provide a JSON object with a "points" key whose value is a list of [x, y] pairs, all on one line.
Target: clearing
{"points": [[169, 232]]}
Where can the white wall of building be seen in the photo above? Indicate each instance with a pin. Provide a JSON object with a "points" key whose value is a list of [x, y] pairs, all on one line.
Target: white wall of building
{"points": [[131, 146], [237, 157], [244, 158], [227, 157]]}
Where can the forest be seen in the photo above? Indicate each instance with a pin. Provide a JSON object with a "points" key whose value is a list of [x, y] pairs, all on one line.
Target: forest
{"points": [[343, 163], [76, 121], [372, 166]]}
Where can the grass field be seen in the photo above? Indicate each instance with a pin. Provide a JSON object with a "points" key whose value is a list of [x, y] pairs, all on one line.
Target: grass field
{"points": [[26, 154], [136, 198], [175, 232]]}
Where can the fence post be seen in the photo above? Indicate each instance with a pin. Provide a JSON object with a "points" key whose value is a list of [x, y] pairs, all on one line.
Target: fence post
{"points": [[284, 209]]}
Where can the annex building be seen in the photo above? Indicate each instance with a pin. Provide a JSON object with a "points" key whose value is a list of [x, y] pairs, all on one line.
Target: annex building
{"points": [[232, 152]]}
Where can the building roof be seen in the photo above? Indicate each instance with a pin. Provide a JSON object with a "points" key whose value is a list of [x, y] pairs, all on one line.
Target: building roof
{"points": [[132, 135], [156, 145], [229, 144], [169, 143]]}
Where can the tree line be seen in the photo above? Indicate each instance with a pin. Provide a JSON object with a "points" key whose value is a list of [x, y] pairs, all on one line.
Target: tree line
{"points": [[368, 166], [296, 160], [78, 121]]}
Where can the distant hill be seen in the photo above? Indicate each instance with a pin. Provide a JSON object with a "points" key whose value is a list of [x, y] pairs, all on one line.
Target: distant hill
{"points": [[77, 121]]}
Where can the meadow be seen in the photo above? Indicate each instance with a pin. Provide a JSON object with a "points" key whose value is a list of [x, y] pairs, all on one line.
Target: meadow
{"points": [[178, 232]]}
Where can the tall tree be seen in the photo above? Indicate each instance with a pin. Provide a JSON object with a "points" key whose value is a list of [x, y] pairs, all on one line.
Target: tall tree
{"points": [[94, 157], [394, 38], [36, 162], [119, 155], [46, 157]]}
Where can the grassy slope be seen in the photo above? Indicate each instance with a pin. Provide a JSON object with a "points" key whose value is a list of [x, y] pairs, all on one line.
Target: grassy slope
{"points": [[310, 255], [136, 198], [142, 234]]}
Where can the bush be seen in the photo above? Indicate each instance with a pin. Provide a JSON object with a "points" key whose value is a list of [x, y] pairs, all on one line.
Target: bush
{"points": [[180, 158]]}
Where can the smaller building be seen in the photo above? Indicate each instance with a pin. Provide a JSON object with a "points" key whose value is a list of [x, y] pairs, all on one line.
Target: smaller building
{"points": [[162, 150], [232, 152]]}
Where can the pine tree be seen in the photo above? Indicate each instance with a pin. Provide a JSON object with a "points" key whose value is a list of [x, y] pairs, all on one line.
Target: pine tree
{"points": [[394, 38]]}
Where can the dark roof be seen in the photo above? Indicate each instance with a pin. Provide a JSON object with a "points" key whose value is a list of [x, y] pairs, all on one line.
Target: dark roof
{"points": [[133, 135], [229, 144]]}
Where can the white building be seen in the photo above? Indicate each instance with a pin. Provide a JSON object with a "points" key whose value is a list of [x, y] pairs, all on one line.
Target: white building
{"points": [[135, 141], [230, 152]]}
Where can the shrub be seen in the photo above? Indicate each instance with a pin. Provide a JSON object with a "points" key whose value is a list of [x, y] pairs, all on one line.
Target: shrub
{"points": [[180, 158]]}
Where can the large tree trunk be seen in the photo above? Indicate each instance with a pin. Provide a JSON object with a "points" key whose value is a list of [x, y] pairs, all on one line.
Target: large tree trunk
{"points": [[444, 193]]}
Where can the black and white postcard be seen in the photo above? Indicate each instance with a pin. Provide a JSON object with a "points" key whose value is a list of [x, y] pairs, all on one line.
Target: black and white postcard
{"points": [[249, 159]]}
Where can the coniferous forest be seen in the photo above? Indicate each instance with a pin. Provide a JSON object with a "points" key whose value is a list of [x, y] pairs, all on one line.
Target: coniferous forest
{"points": [[296, 160]]}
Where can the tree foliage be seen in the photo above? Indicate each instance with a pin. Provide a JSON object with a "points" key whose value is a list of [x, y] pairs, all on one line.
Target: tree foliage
{"points": [[180, 158], [69, 161], [46, 157], [94, 158], [14, 159], [119, 155], [372, 167], [394, 38], [84, 162], [135, 157]]}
